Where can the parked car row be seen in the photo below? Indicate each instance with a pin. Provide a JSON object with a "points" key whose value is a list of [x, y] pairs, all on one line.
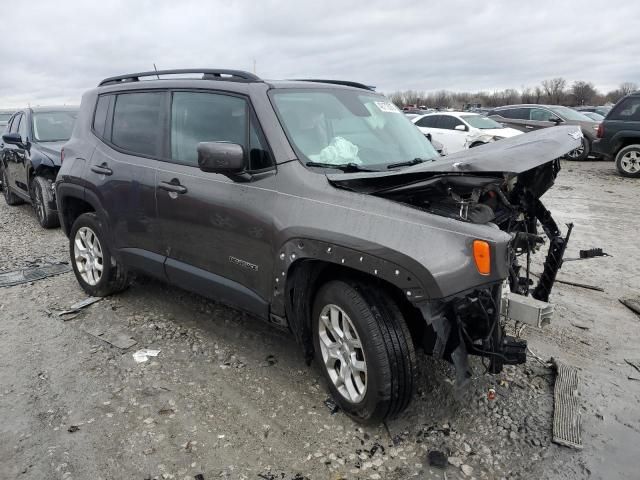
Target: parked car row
{"points": [[30, 158]]}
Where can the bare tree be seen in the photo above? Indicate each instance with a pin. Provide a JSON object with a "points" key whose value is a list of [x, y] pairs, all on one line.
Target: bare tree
{"points": [[583, 92], [554, 89], [627, 87], [538, 94]]}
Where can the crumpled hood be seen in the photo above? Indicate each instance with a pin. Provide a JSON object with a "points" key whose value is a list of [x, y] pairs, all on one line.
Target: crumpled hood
{"points": [[510, 156], [51, 150]]}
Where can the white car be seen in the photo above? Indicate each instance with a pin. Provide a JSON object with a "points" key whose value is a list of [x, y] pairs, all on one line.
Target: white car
{"points": [[461, 130]]}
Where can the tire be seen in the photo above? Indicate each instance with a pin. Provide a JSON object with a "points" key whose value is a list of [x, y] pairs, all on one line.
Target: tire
{"points": [[580, 153], [41, 196], [383, 381], [9, 197], [85, 254], [628, 161]]}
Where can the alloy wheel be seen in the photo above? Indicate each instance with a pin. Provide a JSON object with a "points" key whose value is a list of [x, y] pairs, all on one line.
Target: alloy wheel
{"points": [[630, 162], [342, 353], [88, 255]]}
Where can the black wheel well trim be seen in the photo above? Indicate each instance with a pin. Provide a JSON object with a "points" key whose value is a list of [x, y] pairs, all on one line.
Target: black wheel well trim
{"points": [[623, 139], [66, 191]]}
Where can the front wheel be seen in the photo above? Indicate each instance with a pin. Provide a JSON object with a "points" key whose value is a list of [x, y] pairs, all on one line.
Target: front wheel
{"points": [[580, 153], [364, 349], [628, 161], [97, 271], [41, 199]]}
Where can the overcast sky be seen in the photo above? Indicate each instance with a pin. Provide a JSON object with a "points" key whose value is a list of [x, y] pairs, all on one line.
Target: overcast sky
{"points": [[64, 47]]}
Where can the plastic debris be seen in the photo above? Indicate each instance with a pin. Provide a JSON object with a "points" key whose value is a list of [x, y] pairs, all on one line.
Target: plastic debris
{"points": [[73, 428], [491, 394], [199, 476], [331, 405], [437, 459], [16, 277], [144, 354], [76, 307]]}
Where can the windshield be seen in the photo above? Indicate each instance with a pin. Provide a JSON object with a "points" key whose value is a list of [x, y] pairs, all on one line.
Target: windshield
{"points": [[53, 126], [478, 121], [338, 127], [570, 114]]}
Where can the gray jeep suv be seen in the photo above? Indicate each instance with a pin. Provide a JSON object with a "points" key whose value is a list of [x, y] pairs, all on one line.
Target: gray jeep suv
{"points": [[316, 206]]}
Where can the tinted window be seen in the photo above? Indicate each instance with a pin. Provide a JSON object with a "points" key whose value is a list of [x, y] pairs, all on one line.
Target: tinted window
{"points": [[16, 123], [53, 126], [429, 121], [137, 123], [259, 155], [448, 122], [100, 118], [515, 113], [541, 115], [205, 117], [628, 109]]}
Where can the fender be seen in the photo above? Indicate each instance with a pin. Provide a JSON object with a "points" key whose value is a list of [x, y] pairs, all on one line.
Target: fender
{"points": [[299, 249], [619, 139], [67, 190]]}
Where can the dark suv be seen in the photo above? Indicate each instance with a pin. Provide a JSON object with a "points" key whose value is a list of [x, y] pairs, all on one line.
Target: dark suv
{"points": [[316, 206], [619, 136], [533, 117], [30, 158]]}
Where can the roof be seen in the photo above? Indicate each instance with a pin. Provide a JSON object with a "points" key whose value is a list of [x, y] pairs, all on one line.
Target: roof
{"points": [[55, 108]]}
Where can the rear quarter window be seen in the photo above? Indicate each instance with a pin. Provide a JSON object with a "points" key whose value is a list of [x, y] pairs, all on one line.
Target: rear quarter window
{"points": [[627, 110], [100, 116]]}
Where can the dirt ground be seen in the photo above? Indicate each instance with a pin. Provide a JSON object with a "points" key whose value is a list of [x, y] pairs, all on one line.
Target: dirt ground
{"points": [[230, 397]]}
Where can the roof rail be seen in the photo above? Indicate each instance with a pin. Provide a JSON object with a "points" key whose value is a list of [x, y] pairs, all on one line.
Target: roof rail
{"points": [[346, 83], [207, 74]]}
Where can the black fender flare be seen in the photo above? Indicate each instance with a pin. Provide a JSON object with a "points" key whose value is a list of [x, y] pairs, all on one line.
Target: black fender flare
{"points": [[66, 190], [620, 138]]}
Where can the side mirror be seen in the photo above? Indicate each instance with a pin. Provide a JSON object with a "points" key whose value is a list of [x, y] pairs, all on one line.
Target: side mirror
{"points": [[12, 138], [460, 128], [555, 120], [221, 157]]}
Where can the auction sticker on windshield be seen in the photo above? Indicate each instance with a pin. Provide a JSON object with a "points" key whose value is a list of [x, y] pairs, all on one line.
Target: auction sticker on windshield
{"points": [[387, 107]]}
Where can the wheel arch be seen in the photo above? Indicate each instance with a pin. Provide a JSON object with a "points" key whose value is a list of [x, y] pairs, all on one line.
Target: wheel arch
{"points": [[624, 139]]}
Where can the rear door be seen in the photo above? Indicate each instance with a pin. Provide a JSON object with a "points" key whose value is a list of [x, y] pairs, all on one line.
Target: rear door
{"points": [[540, 118], [14, 157], [123, 171], [217, 232], [516, 117], [20, 176]]}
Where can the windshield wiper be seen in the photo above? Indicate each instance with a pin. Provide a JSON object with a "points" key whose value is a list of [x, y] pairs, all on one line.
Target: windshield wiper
{"points": [[345, 167], [408, 163]]}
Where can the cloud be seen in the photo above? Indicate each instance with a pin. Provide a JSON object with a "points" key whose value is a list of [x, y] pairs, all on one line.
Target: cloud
{"points": [[68, 46]]}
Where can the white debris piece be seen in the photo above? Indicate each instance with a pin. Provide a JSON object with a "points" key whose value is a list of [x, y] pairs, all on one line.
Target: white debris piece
{"points": [[144, 354]]}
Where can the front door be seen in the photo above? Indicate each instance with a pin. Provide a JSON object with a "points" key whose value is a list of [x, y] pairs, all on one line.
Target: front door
{"points": [[217, 231]]}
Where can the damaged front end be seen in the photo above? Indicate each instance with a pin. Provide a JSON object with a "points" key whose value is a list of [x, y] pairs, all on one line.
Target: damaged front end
{"points": [[499, 186]]}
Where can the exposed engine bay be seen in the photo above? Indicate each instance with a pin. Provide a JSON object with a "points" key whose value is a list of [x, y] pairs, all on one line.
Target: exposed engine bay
{"points": [[489, 185]]}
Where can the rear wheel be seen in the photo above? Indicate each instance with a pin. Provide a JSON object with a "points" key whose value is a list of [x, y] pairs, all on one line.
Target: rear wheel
{"points": [[628, 161], [364, 349], [41, 198], [9, 197], [97, 271], [582, 152]]}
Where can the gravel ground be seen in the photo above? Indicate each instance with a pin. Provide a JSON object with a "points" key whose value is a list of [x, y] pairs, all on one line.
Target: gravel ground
{"points": [[230, 397]]}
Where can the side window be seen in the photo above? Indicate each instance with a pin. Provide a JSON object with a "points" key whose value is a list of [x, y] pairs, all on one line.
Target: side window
{"points": [[210, 117], [449, 122], [22, 128], [16, 123], [137, 123], [541, 115], [628, 109], [515, 113], [100, 117], [429, 121]]}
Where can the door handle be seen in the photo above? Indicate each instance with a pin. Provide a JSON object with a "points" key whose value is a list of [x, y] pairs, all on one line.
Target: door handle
{"points": [[173, 186], [102, 169]]}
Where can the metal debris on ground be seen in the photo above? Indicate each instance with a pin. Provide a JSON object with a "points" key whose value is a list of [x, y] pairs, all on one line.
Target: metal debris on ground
{"points": [[632, 304], [437, 459], [76, 307], [332, 406], [566, 412], [144, 354], [26, 275], [634, 363], [73, 428]]}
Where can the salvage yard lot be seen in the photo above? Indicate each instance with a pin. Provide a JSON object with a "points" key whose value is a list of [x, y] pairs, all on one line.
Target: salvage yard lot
{"points": [[230, 397]]}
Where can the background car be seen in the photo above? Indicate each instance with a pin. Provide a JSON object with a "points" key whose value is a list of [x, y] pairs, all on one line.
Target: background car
{"points": [[619, 136], [5, 115], [603, 110], [593, 116], [30, 158], [461, 130], [528, 117]]}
